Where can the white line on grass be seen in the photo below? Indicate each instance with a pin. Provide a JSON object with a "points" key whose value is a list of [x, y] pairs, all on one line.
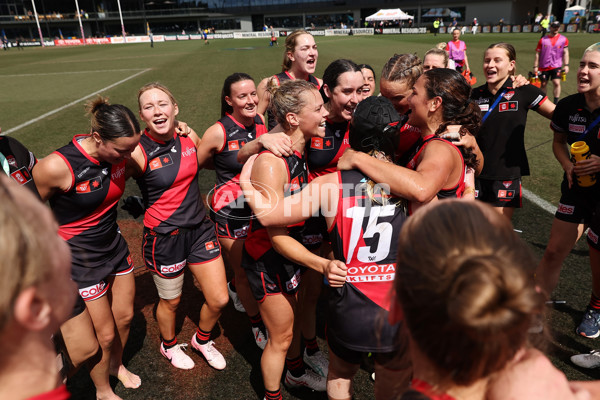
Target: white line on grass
{"points": [[32, 121], [75, 72], [538, 201]]}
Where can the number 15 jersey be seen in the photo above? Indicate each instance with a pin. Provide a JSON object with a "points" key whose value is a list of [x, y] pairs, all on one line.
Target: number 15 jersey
{"points": [[364, 236]]}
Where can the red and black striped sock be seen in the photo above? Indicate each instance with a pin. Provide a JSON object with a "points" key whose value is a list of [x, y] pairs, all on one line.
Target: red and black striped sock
{"points": [[167, 344], [311, 346], [295, 366], [273, 394], [595, 302], [202, 337]]}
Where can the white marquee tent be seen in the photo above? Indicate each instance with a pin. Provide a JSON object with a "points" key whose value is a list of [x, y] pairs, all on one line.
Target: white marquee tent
{"points": [[391, 14]]}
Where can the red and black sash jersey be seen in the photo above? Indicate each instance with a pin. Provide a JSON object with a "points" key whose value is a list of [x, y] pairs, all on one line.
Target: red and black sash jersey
{"points": [[364, 236], [258, 242], [285, 76], [453, 192], [571, 118], [322, 154], [17, 162], [169, 184], [501, 137], [227, 168], [87, 212]]}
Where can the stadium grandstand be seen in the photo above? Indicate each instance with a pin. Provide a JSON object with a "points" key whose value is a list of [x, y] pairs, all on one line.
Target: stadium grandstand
{"points": [[101, 18]]}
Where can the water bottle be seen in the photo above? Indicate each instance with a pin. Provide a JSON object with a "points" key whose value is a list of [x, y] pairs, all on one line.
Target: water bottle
{"points": [[581, 151], [563, 76]]}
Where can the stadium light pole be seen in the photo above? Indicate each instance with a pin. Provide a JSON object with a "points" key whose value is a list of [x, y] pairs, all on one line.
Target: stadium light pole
{"points": [[37, 21], [79, 18], [121, 16]]}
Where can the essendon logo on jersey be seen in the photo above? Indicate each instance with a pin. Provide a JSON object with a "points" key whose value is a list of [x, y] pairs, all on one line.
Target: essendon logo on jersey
{"points": [[11, 160], [506, 194], [160, 162], [509, 95], [22, 176], [324, 143], [507, 184], [509, 106], [89, 186]]}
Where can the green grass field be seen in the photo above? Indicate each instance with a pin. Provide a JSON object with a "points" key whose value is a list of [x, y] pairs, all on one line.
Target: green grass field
{"points": [[37, 81]]}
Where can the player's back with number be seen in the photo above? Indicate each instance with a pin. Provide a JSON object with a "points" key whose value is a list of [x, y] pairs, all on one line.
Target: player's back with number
{"points": [[364, 236]]}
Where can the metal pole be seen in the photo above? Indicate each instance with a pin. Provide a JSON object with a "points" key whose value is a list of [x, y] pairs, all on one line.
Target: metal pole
{"points": [[121, 17], [37, 21], [79, 18]]}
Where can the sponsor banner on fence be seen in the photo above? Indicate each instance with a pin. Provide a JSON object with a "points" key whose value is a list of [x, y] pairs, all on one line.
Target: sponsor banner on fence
{"points": [[527, 28], [414, 30], [170, 37], [183, 37], [345, 32], [79, 42], [137, 39], [486, 29], [249, 35], [387, 31], [571, 28], [220, 36], [30, 44]]}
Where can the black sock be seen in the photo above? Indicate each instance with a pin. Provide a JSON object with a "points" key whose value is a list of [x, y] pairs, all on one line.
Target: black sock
{"points": [[555, 100], [256, 321], [311, 346], [295, 366]]}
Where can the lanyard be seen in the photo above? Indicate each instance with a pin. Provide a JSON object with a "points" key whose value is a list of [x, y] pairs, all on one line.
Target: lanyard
{"points": [[589, 128], [487, 114]]}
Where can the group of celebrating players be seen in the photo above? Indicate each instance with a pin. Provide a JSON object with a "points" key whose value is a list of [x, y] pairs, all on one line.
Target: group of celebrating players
{"points": [[323, 189]]}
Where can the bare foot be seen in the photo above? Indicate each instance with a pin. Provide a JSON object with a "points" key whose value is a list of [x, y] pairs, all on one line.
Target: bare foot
{"points": [[127, 378], [109, 395]]}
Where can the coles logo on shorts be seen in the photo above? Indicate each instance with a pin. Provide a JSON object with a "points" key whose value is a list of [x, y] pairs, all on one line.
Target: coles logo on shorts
{"points": [[242, 232], [93, 292], [592, 236], [576, 128], [565, 209], [170, 269], [293, 282]]}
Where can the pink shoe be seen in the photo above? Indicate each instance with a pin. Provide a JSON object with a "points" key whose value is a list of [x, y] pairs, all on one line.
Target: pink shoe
{"points": [[210, 353], [177, 357]]}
